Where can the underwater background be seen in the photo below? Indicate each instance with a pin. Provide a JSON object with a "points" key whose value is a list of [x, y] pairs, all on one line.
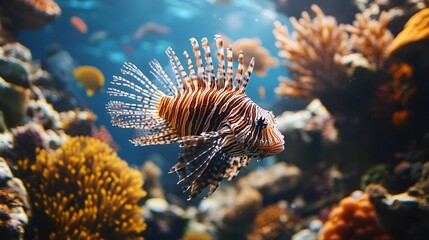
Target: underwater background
{"points": [[347, 81]]}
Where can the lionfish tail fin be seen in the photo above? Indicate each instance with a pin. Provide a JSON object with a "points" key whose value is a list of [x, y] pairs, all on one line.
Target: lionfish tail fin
{"points": [[138, 109], [205, 75], [201, 163]]}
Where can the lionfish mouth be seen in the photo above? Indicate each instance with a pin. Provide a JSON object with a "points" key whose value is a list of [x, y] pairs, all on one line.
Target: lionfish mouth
{"points": [[271, 150]]}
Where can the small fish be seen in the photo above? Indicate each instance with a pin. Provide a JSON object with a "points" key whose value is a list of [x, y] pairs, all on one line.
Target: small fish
{"points": [[209, 114], [79, 24], [90, 78]]}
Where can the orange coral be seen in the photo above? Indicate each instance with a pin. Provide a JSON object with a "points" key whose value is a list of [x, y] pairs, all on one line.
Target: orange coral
{"points": [[371, 37], [353, 218], [84, 191], [253, 48], [314, 53], [415, 30], [273, 222]]}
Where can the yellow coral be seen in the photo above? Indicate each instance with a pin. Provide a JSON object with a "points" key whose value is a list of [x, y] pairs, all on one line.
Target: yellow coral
{"points": [[314, 53], [85, 191], [415, 30], [353, 218]]}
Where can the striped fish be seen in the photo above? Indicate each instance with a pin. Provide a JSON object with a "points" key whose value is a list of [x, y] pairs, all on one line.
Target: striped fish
{"points": [[208, 113]]}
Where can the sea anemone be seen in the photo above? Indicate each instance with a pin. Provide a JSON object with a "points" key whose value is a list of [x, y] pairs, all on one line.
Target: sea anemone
{"points": [[84, 191]]}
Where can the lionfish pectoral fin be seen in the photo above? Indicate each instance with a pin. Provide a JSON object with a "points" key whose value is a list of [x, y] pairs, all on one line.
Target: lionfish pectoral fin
{"points": [[234, 166], [201, 163]]}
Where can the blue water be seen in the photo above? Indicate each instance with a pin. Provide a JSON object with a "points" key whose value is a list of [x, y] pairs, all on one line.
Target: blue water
{"points": [[197, 18]]}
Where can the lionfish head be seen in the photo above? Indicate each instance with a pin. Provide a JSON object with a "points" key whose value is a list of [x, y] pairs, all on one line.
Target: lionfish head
{"points": [[267, 139]]}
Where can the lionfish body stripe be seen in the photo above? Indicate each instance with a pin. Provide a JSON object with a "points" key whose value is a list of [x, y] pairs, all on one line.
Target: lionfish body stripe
{"points": [[205, 110]]}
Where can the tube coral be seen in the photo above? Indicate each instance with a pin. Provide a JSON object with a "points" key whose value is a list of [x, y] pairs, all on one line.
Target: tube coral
{"points": [[85, 191], [313, 51]]}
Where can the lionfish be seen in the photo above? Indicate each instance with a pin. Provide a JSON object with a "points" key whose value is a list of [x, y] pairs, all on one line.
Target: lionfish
{"points": [[218, 126]]}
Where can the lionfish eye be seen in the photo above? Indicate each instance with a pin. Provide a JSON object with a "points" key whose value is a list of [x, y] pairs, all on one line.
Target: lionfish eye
{"points": [[261, 124]]}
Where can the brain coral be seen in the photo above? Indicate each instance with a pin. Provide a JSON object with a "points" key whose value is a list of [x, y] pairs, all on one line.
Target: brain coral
{"points": [[85, 191]]}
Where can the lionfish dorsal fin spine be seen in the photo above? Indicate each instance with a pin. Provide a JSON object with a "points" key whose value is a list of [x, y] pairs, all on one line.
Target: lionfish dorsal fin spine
{"points": [[220, 61], [209, 71], [162, 77], [229, 70], [176, 66], [247, 74], [198, 59], [194, 79], [238, 80]]}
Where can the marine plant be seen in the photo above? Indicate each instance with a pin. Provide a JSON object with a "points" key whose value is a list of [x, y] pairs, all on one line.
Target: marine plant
{"points": [[84, 191]]}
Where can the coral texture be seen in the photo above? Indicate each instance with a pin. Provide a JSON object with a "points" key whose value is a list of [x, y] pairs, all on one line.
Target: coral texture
{"points": [[315, 49], [415, 30], [353, 218], [371, 37], [252, 48], [85, 191], [273, 222], [29, 13], [14, 206]]}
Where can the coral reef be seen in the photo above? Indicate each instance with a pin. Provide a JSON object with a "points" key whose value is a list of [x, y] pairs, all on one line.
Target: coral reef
{"points": [[78, 122], [415, 32], [84, 191], [274, 181], [252, 48], [26, 14], [151, 175], [316, 48], [14, 206], [164, 219], [404, 215], [371, 38], [273, 222], [353, 218]]}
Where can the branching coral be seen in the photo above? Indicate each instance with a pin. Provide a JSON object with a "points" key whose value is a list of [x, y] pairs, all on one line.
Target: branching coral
{"points": [[353, 218], [314, 54], [85, 191], [371, 38]]}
